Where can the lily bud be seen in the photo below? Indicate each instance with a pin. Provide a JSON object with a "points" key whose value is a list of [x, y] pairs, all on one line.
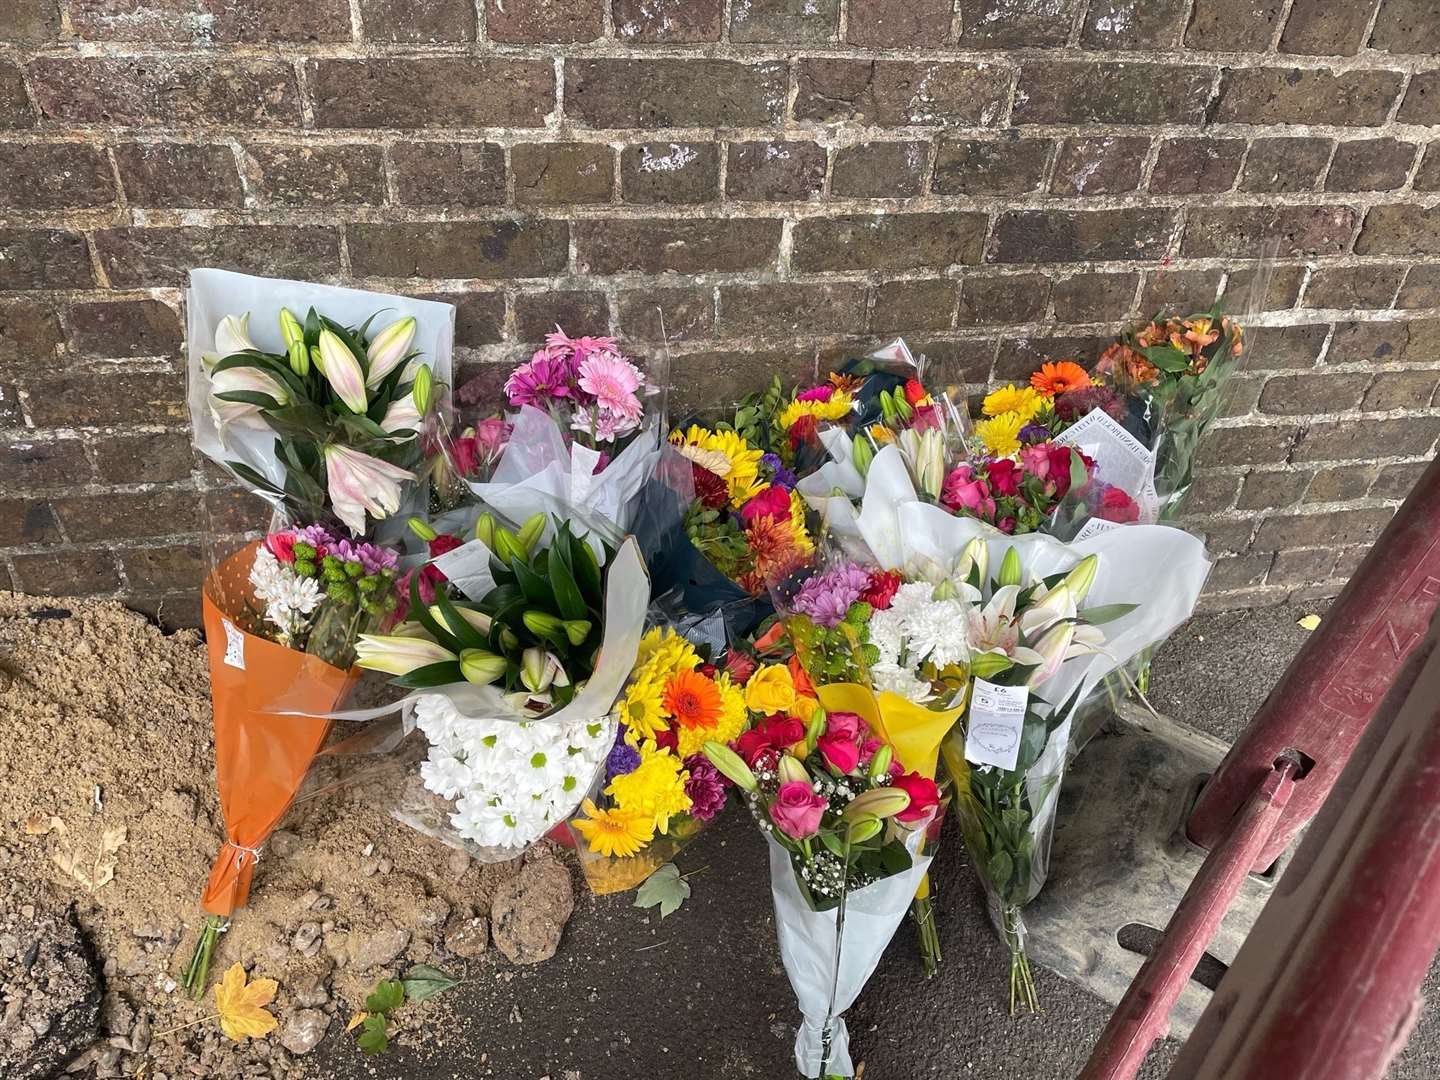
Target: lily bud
{"points": [[508, 546], [485, 530], [1058, 604], [1082, 576], [984, 665], [535, 671], [398, 655], [862, 453], [481, 667], [421, 389], [342, 371], [577, 630], [1010, 571], [477, 619], [388, 349], [542, 623], [945, 591], [791, 769], [294, 335], [421, 529], [530, 532], [976, 558], [815, 728], [882, 802], [867, 828], [880, 763], [730, 765]]}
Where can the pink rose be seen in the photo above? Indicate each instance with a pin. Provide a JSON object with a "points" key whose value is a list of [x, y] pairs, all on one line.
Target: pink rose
{"points": [[962, 491], [772, 502], [1035, 460], [923, 792], [839, 753], [796, 810], [842, 725]]}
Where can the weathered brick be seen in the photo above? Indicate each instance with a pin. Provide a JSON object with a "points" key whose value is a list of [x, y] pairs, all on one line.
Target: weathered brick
{"points": [[165, 91], [888, 241], [679, 22], [1233, 25], [161, 512], [152, 458], [1101, 165], [44, 259], [124, 328], [1242, 231], [11, 415], [30, 465], [479, 317], [899, 92], [686, 246], [703, 379], [29, 22], [1302, 566], [561, 21], [659, 314], [1353, 286], [164, 256], [1370, 165], [1421, 288], [1320, 28], [1179, 290], [15, 109], [1395, 481], [777, 170], [670, 172], [1018, 357], [677, 93], [1080, 92], [168, 174], [879, 170], [1406, 26], [1002, 23], [1211, 493], [54, 176], [1321, 530], [1134, 24], [801, 22], [1240, 395], [1239, 571], [919, 24], [158, 569], [1427, 177], [92, 399], [1400, 229], [1399, 390], [782, 307], [579, 312], [459, 249], [1196, 166], [28, 521], [1302, 395], [66, 573], [907, 306], [1422, 99], [1385, 342], [1360, 440], [1275, 289], [956, 362], [207, 22], [563, 173], [1095, 297], [1285, 164], [1246, 445], [449, 174], [990, 166], [316, 174], [1341, 484], [418, 21], [1072, 235], [435, 91], [1274, 95], [1013, 298], [30, 334]]}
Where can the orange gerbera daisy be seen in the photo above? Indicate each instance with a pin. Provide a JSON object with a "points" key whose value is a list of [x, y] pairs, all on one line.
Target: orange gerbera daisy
{"points": [[693, 700], [1058, 377]]}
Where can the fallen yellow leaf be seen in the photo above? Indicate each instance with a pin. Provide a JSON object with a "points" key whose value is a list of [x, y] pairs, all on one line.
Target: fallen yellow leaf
{"points": [[242, 1006], [1308, 622], [356, 1021]]}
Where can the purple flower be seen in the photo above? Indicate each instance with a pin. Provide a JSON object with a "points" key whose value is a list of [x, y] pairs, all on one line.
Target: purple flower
{"points": [[1034, 433], [623, 758], [827, 597], [782, 476], [544, 377], [705, 788], [317, 536]]}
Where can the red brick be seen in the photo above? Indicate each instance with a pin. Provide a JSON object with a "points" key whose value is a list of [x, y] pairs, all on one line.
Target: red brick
{"points": [[562, 173], [1321, 530], [801, 22], [1103, 165], [1400, 390], [579, 312], [602, 93], [670, 172], [888, 241], [126, 516], [903, 307], [167, 174], [1341, 484], [30, 334], [879, 170], [29, 22], [1001, 23], [1395, 481], [96, 399], [918, 24], [561, 21], [433, 91], [894, 93], [1080, 92], [317, 175], [479, 316], [1019, 357], [1268, 288], [701, 379], [449, 174], [1277, 95], [1302, 567], [1385, 342], [418, 21], [1095, 297], [1359, 440], [1421, 288], [124, 328], [54, 176], [1179, 290], [1211, 493], [1353, 286], [164, 256], [1196, 166], [165, 92], [1269, 490], [776, 171], [1239, 571], [1427, 177], [160, 569], [1422, 99], [15, 108], [459, 249], [990, 166], [66, 573], [679, 22], [1072, 235], [1247, 445], [208, 22], [1400, 229], [685, 246], [44, 259], [792, 309], [1241, 231]]}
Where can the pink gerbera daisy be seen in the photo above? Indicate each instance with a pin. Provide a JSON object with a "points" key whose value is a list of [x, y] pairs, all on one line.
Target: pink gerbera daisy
{"points": [[612, 381]]}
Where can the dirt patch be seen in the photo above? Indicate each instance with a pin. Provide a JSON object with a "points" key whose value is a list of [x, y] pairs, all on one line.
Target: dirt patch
{"points": [[108, 801]]}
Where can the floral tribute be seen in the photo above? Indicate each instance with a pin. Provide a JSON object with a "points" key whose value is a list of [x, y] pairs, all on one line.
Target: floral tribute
{"points": [[587, 384]]}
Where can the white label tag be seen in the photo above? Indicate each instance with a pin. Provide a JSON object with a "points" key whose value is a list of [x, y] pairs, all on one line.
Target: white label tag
{"points": [[582, 472], [1094, 527], [234, 645], [1121, 460], [997, 717]]}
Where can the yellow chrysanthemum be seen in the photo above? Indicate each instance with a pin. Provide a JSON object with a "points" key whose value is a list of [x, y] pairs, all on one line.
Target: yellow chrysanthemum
{"points": [[655, 788], [666, 652], [837, 407], [726, 729], [1024, 401], [642, 707], [614, 833], [803, 543], [1001, 434], [741, 466]]}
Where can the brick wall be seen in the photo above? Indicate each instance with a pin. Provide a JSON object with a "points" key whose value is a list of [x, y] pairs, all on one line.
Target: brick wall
{"points": [[998, 180]]}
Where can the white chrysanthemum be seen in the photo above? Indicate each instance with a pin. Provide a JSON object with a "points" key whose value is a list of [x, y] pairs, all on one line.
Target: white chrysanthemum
{"points": [[902, 681], [887, 634], [289, 598], [445, 774], [936, 631]]}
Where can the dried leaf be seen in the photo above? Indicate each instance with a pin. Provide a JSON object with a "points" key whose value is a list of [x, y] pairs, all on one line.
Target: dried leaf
{"points": [[666, 888], [356, 1021], [1308, 622], [99, 871], [242, 1005], [40, 824]]}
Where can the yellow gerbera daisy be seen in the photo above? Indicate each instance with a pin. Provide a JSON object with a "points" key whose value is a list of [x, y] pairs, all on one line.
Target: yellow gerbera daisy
{"points": [[614, 833], [1001, 434], [655, 788], [740, 467], [803, 543], [1022, 400]]}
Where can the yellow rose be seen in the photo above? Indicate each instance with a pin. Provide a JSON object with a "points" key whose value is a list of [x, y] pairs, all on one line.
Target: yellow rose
{"points": [[770, 690], [803, 708]]}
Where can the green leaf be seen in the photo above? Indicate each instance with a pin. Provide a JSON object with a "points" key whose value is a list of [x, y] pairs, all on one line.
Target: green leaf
{"points": [[373, 1038], [422, 678], [1079, 475], [423, 981], [999, 868], [537, 590], [1166, 358], [665, 888], [250, 397], [424, 618], [1103, 613], [388, 994], [467, 635], [567, 592]]}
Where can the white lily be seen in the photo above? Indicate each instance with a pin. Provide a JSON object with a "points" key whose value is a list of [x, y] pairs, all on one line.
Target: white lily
{"points": [[402, 415], [924, 451], [477, 619], [1058, 603], [1052, 649], [361, 484], [242, 413], [398, 655], [388, 348], [231, 336], [342, 371]]}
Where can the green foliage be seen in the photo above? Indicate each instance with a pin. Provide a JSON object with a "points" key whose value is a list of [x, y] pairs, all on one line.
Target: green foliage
{"points": [[423, 981], [665, 889]]}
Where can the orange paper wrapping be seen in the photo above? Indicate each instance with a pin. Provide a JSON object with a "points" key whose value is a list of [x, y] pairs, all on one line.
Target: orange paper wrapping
{"points": [[261, 756]]}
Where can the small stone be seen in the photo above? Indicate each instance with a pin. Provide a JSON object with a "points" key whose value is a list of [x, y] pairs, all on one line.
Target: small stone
{"points": [[140, 1035], [529, 912], [385, 865], [304, 1030], [470, 939], [380, 948], [283, 843], [307, 939], [310, 899]]}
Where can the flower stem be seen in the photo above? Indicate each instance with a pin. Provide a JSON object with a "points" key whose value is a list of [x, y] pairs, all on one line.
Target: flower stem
{"points": [[196, 972], [924, 911]]}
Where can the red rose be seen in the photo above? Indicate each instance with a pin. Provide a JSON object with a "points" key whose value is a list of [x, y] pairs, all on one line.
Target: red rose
{"points": [[925, 418], [1117, 506], [1006, 525], [843, 725], [839, 752], [924, 795], [741, 666], [772, 733], [1004, 477], [881, 589], [709, 488], [772, 502], [1060, 459], [914, 391], [667, 739], [804, 430]]}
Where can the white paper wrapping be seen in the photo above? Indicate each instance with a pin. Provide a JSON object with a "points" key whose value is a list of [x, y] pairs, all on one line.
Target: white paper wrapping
{"points": [[214, 294], [808, 950]]}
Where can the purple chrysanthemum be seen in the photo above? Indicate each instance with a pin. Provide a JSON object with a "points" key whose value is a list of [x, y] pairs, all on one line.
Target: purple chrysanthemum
{"points": [[782, 477], [827, 597], [705, 788], [623, 758]]}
